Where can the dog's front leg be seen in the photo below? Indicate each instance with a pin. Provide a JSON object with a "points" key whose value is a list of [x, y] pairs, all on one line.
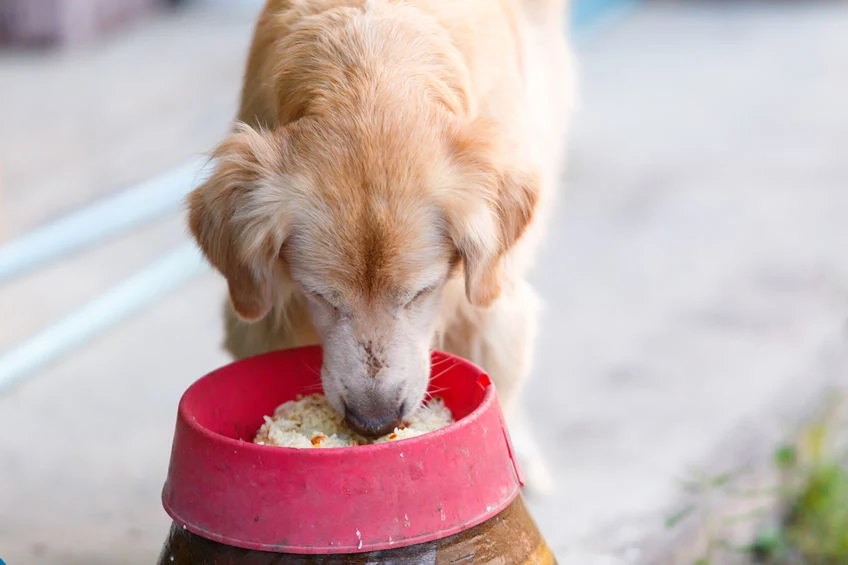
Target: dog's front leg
{"points": [[501, 340]]}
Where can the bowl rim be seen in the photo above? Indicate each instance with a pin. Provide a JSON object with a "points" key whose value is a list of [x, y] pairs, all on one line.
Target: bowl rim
{"points": [[483, 381]]}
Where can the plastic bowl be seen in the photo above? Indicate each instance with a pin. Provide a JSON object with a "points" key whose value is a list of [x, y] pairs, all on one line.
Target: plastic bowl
{"points": [[225, 488]]}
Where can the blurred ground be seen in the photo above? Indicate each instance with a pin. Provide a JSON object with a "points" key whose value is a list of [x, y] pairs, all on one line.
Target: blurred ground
{"points": [[695, 272], [71, 135]]}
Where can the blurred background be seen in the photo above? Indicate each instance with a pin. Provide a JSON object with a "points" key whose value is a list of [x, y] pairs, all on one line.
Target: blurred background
{"points": [[695, 279]]}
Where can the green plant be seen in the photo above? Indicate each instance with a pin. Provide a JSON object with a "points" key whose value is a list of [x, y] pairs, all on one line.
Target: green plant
{"points": [[704, 490], [814, 530], [817, 524], [813, 491]]}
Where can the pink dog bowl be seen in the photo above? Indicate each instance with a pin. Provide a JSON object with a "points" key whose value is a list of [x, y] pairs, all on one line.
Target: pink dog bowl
{"points": [[225, 488]]}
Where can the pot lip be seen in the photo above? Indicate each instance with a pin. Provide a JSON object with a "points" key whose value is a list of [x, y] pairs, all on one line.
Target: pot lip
{"points": [[490, 513]]}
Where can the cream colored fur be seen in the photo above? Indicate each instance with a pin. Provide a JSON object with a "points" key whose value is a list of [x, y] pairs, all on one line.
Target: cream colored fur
{"points": [[386, 192]]}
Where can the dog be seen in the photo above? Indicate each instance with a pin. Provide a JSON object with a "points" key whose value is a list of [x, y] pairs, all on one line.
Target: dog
{"points": [[384, 192]]}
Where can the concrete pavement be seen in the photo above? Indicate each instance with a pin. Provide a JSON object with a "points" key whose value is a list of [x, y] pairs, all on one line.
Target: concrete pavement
{"points": [[694, 274]]}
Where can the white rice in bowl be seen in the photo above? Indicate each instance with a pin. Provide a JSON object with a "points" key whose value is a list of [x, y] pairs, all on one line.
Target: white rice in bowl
{"points": [[310, 421]]}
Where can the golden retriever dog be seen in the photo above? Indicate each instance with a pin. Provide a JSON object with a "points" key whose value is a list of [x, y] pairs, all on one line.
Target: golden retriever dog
{"points": [[384, 192]]}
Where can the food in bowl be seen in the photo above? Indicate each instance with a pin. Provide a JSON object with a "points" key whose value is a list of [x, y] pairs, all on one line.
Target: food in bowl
{"points": [[310, 422]]}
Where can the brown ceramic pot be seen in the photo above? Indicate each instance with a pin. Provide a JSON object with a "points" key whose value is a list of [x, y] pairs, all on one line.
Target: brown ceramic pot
{"points": [[510, 538]]}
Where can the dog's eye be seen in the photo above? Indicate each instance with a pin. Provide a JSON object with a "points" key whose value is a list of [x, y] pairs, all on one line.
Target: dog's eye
{"points": [[421, 294], [321, 299]]}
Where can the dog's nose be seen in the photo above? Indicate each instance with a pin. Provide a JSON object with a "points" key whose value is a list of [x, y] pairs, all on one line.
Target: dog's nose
{"points": [[374, 419]]}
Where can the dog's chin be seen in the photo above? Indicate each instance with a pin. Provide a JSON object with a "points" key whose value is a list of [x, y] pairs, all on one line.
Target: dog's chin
{"points": [[334, 392], [415, 394], [412, 402]]}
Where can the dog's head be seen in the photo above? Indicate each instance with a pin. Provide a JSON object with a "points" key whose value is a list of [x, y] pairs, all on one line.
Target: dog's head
{"points": [[368, 223]]}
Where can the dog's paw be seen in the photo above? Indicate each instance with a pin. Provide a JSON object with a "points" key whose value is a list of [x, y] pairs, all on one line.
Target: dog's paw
{"points": [[538, 479]]}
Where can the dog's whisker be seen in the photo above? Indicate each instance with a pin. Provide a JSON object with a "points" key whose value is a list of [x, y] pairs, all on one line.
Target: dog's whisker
{"points": [[440, 362], [445, 370], [436, 390], [312, 370]]}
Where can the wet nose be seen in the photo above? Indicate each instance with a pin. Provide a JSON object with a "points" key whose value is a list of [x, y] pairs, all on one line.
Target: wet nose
{"points": [[373, 418]]}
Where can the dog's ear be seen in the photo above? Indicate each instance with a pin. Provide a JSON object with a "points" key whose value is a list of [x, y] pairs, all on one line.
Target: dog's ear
{"points": [[240, 216], [488, 206]]}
